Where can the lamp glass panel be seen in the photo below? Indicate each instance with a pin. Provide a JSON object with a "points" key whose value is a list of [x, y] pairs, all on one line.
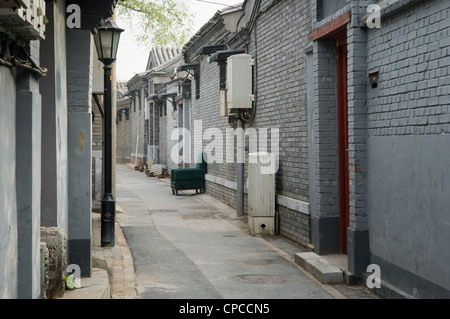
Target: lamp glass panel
{"points": [[116, 39], [106, 38], [98, 45]]}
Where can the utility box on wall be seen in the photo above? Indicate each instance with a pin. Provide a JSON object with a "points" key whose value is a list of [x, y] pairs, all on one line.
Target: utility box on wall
{"points": [[261, 195], [239, 82]]}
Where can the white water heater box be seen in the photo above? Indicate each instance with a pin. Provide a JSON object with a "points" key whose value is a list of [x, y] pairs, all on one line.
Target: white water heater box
{"points": [[261, 195], [239, 82]]}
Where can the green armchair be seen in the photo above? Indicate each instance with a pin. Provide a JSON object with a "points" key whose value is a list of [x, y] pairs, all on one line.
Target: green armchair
{"points": [[189, 178]]}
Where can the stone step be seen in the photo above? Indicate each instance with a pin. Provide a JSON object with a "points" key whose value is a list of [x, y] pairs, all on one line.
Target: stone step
{"points": [[320, 268]]}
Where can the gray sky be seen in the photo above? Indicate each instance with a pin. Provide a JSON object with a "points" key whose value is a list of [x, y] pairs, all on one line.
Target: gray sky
{"points": [[132, 59]]}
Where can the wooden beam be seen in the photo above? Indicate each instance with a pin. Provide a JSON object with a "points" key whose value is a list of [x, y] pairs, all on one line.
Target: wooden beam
{"points": [[330, 30]]}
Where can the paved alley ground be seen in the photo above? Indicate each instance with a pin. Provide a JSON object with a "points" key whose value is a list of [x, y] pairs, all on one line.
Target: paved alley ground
{"points": [[193, 247]]}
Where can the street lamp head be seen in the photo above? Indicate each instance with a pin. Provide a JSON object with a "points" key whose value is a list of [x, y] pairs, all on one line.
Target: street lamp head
{"points": [[107, 41]]}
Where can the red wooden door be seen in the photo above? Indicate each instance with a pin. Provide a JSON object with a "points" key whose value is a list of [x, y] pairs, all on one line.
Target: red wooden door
{"points": [[342, 112]]}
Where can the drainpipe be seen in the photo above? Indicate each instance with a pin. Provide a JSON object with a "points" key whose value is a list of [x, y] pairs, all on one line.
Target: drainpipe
{"points": [[136, 154], [240, 167]]}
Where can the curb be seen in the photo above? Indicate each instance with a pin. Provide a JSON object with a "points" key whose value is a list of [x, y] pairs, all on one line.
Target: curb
{"points": [[117, 261], [95, 287]]}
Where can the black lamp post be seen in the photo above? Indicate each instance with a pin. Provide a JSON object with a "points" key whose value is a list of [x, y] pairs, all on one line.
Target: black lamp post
{"points": [[107, 43]]}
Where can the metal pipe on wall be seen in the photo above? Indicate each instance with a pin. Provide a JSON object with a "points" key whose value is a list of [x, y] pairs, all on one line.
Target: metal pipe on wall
{"points": [[240, 167]]}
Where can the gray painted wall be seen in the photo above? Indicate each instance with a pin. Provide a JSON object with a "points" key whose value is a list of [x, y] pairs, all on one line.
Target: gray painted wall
{"points": [[28, 179], [8, 209], [408, 128], [408, 205], [54, 206], [79, 74]]}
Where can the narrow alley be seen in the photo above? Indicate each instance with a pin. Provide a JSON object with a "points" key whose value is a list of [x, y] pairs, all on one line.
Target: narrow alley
{"points": [[193, 247]]}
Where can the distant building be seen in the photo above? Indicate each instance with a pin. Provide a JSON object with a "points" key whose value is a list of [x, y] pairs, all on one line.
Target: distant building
{"points": [[142, 117]]}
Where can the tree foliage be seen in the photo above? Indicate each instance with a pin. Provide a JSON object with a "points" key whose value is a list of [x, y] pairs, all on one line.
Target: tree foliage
{"points": [[158, 22]]}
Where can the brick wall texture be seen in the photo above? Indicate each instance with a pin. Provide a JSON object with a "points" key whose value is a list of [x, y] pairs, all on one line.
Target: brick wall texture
{"points": [[281, 104], [412, 53], [124, 146]]}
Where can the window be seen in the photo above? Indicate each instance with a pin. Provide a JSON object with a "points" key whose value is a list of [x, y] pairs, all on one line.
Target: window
{"points": [[197, 81]]}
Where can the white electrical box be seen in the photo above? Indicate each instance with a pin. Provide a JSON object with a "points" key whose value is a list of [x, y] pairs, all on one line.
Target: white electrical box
{"points": [[239, 82], [261, 194], [26, 20]]}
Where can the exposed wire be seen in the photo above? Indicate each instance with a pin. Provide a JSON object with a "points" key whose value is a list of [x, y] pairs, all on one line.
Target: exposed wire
{"points": [[249, 115], [220, 4]]}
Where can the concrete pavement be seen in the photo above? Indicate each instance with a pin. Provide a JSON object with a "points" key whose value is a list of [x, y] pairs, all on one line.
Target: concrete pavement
{"points": [[192, 246]]}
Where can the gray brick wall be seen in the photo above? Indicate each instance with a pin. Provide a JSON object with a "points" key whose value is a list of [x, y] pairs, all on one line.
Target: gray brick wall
{"points": [[206, 110], [294, 225], [171, 125], [282, 34], [129, 130], [407, 128], [163, 136], [97, 125], [124, 146], [357, 117], [325, 130], [411, 52], [282, 90]]}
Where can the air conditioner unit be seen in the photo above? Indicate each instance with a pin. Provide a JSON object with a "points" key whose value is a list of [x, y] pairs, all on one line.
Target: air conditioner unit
{"points": [[261, 195], [239, 82]]}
